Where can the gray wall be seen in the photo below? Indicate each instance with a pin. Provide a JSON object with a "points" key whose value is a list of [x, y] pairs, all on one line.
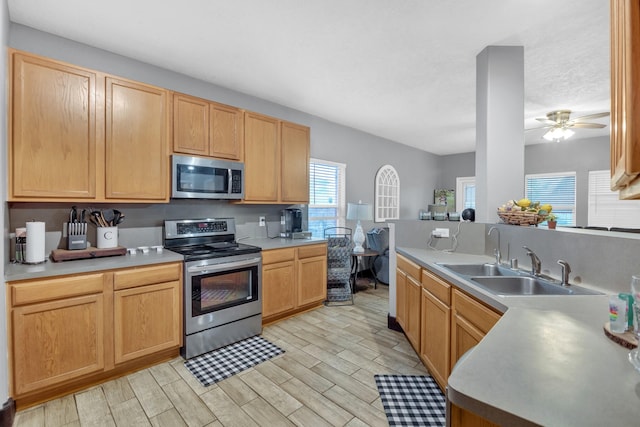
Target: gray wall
{"points": [[578, 155], [4, 36]]}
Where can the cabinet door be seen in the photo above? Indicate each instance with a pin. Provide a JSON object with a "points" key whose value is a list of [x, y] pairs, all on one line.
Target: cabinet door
{"points": [[190, 125], [625, 111], [278, 288], [434, 340], [137, 156], [414, 293], [53, 131], [261, 158], [226, 132], [147, 319], [401, 298], [57, 341], [312, 280], [471, 321], [295, 141]]}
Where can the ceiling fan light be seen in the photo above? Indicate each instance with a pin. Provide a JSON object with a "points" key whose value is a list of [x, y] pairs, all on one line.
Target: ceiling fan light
{"points": [[558, 134]]}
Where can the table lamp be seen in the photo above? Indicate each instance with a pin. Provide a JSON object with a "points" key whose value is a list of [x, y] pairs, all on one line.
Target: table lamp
{"points": [[357, 212]]}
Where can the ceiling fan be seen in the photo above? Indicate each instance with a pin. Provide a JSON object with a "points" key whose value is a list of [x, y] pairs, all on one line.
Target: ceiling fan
{"points": [[559, 123]]}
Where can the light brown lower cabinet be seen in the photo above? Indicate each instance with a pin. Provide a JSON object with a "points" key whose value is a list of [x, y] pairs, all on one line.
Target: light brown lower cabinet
{"points": [[408, 291], [435, 343], [471, 320], [463, 418], [293, 280], [69, 332]]}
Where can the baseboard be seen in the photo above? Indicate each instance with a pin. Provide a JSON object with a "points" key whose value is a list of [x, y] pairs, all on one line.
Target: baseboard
{"points": [[393, 324], [7, 413]]}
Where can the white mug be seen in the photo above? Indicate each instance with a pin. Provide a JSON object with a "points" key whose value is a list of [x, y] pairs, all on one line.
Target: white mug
{"points": [[107, 237]]}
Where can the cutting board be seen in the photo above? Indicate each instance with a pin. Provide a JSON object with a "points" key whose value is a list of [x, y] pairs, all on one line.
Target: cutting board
{"points": [[58, 255], [626, 339]]}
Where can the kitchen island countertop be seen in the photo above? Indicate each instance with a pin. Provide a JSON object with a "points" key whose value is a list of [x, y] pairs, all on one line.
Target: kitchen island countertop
{"points": [[546, 361]]}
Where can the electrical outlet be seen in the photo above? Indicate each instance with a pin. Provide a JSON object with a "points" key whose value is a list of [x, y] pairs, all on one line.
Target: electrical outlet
{"points": [[262, 221], [440, 232]]}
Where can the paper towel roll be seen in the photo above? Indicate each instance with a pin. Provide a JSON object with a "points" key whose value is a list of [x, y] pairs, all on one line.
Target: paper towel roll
{"points": [[35, 242]]}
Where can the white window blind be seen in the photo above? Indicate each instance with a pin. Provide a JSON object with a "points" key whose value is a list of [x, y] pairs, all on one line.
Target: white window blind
{"points": [[387, 194], [605, 208], [557, 189], [327, 206]]}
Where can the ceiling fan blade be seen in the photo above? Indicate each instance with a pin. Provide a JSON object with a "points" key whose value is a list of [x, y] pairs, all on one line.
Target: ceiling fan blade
{"points": [[546, 121], [542, 127], [587, 125], [592, 116]]}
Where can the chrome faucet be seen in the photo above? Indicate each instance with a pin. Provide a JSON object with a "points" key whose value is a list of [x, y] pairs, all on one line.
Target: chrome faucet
{"points": [[496, 251], [536, 264], [566, 269]]}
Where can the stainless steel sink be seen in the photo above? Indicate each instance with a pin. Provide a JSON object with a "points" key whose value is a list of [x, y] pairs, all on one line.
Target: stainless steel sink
{"points": [[505, 281], [479, 269], [518, 285]]}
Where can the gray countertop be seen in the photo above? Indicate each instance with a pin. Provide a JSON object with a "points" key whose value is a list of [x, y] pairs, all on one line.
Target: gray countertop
{"points": [[547, 361], [278, 243], [14, 272]]}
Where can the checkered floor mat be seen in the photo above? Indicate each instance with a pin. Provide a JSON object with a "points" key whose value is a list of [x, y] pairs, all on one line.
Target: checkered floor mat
{"points": [[411, 400], [224, 362]]}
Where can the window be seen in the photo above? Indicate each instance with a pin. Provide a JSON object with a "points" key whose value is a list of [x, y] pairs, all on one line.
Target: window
{"points": [[327, 206], [557, 189], [465, 193], [387, 194], [605, 208]]}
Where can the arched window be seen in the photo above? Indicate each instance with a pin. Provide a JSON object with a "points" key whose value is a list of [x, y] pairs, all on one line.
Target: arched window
{"points": [[387, 194]]}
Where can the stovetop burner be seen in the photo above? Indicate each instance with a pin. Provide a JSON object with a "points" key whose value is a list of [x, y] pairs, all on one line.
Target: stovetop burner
{"points": [[199, 239]]}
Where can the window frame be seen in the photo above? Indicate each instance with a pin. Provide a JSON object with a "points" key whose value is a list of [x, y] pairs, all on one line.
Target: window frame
{"points": [[556, 207], [387, 194], [621, 212], [461, 184], [340, 206]]}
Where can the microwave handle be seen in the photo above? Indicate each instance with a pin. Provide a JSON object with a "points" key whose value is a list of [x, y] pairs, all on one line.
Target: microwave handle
{"points": [[230, 181]]}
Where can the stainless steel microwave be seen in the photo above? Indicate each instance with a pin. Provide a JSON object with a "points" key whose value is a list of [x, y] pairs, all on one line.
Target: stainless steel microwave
{"points": [[203, 178]]}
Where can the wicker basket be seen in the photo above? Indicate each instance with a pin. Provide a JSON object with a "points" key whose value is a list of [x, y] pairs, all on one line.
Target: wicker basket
{"points": [[521, 217]]}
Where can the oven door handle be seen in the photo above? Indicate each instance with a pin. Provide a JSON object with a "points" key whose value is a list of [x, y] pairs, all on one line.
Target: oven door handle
{"points": [[224, 266]]}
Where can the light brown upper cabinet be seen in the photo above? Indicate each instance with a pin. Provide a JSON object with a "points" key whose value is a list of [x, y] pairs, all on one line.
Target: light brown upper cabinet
{"points": [[294, 177], [625, 103], [80, 134], [206, 128], [52, 150], [276, 159], [261, 158], [136, 141]]}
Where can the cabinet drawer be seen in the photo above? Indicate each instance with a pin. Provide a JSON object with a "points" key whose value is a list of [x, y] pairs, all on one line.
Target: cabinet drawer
{"points": [[311, 251], [412, 269], [438, 287], [475, 312], [52, 289], [278, 255], [146, 275]]}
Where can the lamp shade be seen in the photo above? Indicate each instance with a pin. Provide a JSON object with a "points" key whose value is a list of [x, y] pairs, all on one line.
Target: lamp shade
{"points": [[359, 212]]}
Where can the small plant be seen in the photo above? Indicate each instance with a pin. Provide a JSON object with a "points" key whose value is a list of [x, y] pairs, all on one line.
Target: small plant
{"points": [[552, 218]]}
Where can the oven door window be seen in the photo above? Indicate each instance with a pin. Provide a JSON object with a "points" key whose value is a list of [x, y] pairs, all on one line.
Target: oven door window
{"points": [[200, 179], [217, 291]]}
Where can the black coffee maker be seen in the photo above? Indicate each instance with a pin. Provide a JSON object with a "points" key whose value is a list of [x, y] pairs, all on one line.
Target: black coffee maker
{"points": [[291, 222]]}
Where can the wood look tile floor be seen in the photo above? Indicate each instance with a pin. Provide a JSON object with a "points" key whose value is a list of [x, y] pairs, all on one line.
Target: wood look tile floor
{"points": [[324, 378]]}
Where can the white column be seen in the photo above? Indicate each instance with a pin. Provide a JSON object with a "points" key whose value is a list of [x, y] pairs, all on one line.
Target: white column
{"points": [[499, 129]]}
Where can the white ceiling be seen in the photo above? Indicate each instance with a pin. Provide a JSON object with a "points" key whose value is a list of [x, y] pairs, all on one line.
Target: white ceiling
{"points": [[403, 70]]}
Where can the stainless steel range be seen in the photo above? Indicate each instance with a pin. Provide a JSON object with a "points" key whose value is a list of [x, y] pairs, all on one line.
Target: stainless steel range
{"points": [[222, 283]]}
